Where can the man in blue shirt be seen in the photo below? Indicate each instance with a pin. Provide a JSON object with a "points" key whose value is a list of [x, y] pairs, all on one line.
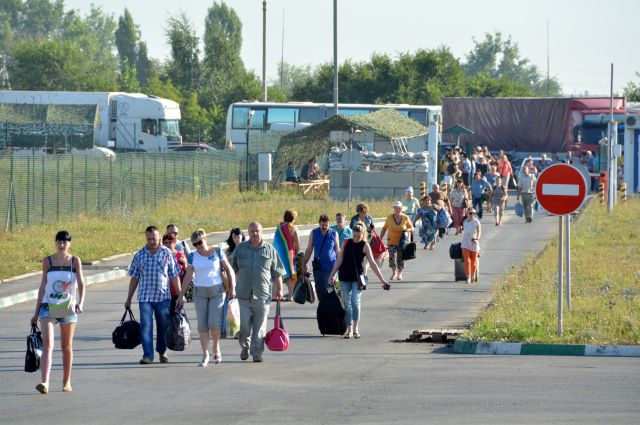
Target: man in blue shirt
{"points": [[153, 268], [323, 243], [478, 186], [466, 169]]}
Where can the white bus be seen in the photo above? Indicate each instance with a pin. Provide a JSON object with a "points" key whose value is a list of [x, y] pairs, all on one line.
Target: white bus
{"points": [[283, 118]]}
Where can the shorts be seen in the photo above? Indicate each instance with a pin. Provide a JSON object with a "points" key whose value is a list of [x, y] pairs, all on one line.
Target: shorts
{"points": [[44, 314]]}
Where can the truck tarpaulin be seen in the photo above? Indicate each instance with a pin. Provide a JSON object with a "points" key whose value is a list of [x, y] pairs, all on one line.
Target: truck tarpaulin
{"points": [[526, 124]]}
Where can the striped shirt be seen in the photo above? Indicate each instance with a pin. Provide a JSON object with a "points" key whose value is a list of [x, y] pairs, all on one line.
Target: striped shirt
{"points": [[153, 273]]}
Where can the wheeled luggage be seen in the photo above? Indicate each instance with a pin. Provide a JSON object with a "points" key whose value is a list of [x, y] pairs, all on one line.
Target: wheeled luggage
{"points": [[458, 270], [330, 314]]}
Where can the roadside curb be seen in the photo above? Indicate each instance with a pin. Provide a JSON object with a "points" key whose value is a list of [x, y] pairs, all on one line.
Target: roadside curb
{"points": [[33, 294], [462, 346]]}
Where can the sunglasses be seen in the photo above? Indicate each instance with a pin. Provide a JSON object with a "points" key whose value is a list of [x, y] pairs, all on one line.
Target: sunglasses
{"points": [[199, 243]]}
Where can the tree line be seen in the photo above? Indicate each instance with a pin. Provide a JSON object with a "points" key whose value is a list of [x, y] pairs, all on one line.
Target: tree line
{"points": [[46, 47]]}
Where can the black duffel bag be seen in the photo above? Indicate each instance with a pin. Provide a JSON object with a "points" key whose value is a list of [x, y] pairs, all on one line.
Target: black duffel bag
{"points": [[455, 251], [34, 350], [127, 335], [408, 249]]}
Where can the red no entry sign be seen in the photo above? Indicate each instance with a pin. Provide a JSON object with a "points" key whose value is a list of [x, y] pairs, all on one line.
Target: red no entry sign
{"points": [[561, 189]]}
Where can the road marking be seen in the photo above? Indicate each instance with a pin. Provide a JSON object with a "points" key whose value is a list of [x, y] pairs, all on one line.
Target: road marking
{"points": [[561, 189]]}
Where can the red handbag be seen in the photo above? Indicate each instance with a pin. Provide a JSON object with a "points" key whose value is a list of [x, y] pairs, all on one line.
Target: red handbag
{"points": [[377, 247], [277, 339]]}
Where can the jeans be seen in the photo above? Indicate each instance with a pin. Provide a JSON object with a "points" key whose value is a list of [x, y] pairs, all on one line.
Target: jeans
{"points": [[527, 203], [253, 324], [351, 296], [147, 311], [477, 204], [321, 279]]}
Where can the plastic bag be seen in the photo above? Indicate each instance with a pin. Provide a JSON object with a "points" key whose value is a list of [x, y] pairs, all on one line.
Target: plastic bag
{"points": [[233, 317], [34, 350], [179, 332]]}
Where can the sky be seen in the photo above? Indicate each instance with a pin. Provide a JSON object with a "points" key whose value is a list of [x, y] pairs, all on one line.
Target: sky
{"points": [[585, 36]]}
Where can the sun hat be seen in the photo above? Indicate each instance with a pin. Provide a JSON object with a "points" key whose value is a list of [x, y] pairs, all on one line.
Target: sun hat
{"points": [[398, 204], [410, 189]]}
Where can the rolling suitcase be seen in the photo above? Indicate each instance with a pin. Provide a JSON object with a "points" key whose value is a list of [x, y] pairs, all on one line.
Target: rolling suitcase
{"points": [[330, 314], [458, 271]]}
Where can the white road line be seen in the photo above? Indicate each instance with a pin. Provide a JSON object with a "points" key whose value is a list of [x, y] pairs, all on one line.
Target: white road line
{"points": [[561, 189]]}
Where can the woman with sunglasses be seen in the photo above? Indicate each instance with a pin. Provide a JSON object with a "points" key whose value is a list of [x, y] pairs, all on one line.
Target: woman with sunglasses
{"points": [[204, 269], [59, 302], [471, 245]]}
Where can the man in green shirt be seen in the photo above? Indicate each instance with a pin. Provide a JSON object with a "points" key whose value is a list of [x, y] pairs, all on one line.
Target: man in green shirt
{"points": [[257, 265]]}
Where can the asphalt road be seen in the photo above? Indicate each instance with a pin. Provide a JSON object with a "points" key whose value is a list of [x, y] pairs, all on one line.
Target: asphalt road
{"points": [[376, 379]]}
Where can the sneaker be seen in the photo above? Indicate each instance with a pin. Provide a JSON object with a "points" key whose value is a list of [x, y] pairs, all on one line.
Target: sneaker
{"points": [[146, 361], [42, 388], [164, 358], [257, 359], [244, 354]]}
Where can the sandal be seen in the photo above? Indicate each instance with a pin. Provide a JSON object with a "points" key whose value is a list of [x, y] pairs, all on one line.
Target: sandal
{"points": [[42, 388], [217, 358], [347, 336], [356, 335]]}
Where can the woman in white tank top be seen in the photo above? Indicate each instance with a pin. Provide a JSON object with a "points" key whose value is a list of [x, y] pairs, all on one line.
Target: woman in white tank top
{"points": [[60, 300]]}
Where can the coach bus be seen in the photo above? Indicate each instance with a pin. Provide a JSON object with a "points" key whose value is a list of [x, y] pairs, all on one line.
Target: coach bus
{"points": [[283, 118]]}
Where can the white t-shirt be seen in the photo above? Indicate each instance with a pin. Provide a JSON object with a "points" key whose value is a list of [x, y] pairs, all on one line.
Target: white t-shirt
{"points": [[206, 270], [471, 229]]}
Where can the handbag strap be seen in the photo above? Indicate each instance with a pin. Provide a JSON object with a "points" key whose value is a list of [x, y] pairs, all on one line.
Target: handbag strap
{"points": [[124, 316], [35, 329]]}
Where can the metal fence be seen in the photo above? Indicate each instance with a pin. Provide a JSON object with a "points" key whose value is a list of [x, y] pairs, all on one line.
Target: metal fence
{"points": [[35, 190]]}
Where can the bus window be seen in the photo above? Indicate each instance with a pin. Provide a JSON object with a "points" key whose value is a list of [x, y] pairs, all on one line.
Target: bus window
{"points": [[419, 116], [283, 115], [312, 115], [239, 118], [346, 111]]}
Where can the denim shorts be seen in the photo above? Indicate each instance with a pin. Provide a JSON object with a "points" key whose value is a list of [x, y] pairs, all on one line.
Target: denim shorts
{"points": [[44, 314]]}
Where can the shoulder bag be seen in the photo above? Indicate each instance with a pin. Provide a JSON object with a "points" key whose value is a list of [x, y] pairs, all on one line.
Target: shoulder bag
{"points": [[34, 350], [127, 335], [223, 273], [315, 263]]}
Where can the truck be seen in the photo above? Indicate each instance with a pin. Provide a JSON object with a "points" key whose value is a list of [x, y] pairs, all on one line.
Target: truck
{"points": [[534, 125], [56, 121]]}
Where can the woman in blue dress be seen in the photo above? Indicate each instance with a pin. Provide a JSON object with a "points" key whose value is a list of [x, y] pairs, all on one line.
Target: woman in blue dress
{"points": [[428, 229]]}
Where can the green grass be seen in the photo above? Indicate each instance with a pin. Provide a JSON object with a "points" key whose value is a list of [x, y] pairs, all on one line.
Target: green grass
{"points": [[97, 236], [605, 253]]}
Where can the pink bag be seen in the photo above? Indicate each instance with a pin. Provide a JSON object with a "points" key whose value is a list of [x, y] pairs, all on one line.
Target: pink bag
{"points": [[277, 339]]}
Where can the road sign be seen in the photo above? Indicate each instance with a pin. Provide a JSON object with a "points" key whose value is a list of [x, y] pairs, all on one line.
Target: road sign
{"points": [[561, 189]]}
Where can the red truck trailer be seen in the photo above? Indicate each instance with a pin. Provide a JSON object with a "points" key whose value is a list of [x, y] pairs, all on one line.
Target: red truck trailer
{"points": [[533, 124]]}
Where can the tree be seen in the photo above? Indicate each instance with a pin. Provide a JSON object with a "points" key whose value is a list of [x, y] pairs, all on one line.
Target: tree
{"points": [[290, 75], [143, 65], [499, 57], [184, 66], [127, 37], [224, 77], [196, 122], [632, 90]]}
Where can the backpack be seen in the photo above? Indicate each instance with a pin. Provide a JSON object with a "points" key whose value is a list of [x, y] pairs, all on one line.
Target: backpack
{"points": [[178, 332]]}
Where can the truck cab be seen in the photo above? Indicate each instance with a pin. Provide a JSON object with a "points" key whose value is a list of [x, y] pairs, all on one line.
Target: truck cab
{"points": [[144, 123]]}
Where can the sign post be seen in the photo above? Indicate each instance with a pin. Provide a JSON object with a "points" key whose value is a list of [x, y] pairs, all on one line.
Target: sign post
{"points": [[561, 189]]}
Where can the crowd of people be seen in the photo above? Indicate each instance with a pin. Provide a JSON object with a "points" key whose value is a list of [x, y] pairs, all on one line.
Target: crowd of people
{"points": [[166, 273]]}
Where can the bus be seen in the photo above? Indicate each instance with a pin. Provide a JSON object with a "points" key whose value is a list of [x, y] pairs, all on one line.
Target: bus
{"points": [[280, 119]]}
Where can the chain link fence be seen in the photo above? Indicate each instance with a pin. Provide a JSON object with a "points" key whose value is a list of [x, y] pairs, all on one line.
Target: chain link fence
{"points": [[40, 189]]}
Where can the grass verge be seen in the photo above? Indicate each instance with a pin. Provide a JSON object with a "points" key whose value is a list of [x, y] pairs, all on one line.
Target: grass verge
{"points": [[98, 236], [605, 253]]}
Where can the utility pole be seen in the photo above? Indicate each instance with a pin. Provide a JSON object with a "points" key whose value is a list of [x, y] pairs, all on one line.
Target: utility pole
{"points": [[264, 50], [335, 57]]}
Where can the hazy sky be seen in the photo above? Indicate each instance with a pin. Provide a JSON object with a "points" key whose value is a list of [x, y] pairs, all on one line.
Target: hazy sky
{"points": [[586, 36]]}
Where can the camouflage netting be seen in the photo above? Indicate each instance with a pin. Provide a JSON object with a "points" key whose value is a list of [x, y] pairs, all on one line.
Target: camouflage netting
{"points": [[313, 141], [32, 126]]}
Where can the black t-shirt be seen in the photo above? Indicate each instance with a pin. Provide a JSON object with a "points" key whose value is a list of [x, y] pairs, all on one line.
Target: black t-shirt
{"points": [[352, 261]]}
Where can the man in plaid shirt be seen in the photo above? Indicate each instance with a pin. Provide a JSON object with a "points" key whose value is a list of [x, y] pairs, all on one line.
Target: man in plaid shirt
{"points": [[152, 268]]}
